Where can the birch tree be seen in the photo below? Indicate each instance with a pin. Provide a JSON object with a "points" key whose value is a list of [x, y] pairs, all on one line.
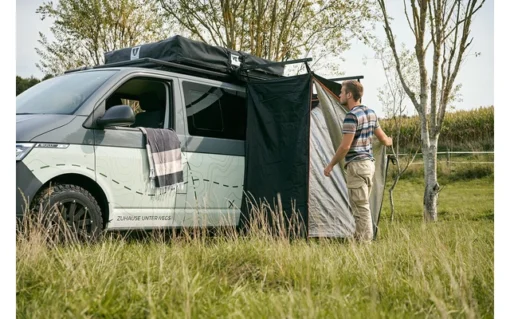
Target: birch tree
{"points": [[443, 27]]}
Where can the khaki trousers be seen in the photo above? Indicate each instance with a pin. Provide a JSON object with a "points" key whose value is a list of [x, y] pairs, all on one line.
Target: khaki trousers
{"points": [[359, 178]]}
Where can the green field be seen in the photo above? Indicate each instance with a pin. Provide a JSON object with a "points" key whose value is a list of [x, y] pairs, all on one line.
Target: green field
{"points": [[444, 269], [462, 130]]}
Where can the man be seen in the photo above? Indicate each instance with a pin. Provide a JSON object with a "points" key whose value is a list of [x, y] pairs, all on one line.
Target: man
{"points": [[360, 125]]}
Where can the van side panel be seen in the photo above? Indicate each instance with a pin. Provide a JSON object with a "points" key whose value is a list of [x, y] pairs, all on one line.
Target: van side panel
{"points": [[48, 163], [122, 163], [215, 166], [214, 190]]}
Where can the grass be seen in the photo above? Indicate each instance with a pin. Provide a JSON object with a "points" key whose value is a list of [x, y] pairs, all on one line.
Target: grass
{"points": [[462, 200], [461, 168], [444, 269]]}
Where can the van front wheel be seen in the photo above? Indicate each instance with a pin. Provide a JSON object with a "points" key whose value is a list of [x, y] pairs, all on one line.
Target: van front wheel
{"points": [[73, 205]]}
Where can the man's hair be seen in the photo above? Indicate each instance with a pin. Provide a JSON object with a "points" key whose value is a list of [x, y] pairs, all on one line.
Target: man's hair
{"points": [[355, 88]]}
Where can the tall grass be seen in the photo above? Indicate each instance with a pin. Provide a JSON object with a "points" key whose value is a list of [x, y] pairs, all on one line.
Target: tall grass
{"points": [[413, 269]]}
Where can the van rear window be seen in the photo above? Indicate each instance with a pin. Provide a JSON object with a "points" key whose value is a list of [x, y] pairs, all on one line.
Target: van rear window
{"points": [[61, 95], [215, 111]]}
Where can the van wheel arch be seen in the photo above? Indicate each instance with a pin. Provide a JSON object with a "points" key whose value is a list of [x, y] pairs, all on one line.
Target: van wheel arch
{"points": [[85, 182]]}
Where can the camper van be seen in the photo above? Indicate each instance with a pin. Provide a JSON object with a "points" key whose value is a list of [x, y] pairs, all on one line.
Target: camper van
{"points": [[80, 150]]}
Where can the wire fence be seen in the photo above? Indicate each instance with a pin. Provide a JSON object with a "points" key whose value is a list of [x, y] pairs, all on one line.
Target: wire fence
{"points": [[450, 154]]}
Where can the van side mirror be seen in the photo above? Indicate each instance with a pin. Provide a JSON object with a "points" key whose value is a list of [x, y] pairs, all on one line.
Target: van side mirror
{"points": [[118, 115]]}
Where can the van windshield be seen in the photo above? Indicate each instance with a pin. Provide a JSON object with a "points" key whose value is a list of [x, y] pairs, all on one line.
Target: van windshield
{"points": [[61, 95]]}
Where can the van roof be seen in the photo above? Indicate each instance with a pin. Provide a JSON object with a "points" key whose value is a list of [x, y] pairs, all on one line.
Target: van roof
{"points": [[190, 75], [164, 67]]}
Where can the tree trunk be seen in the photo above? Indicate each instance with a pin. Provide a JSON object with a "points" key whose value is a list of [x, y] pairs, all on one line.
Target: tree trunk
{"points": [[431, 185]]}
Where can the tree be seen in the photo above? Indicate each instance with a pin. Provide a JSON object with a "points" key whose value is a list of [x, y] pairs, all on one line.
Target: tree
{"points": [[85, 29], [394, 101], [444, 27], [47, 76], [275, 29], [23, 84]]}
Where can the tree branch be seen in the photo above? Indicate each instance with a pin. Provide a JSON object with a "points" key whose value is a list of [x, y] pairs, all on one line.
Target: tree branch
{"points": [[407, 17], [391, 40]]}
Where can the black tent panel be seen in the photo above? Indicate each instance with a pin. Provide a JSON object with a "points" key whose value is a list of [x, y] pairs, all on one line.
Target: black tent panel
{"points": [[277, 147]]}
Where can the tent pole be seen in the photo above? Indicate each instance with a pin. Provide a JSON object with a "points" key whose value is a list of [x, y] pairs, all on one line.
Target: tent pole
{"points": [[308, 68], [262, 66], [357, 77]]}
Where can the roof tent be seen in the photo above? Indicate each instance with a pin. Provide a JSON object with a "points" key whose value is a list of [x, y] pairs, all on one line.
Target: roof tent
{"points": [[198, 56]]}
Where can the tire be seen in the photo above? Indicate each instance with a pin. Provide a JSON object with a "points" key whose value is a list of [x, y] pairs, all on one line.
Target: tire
{"points": [[73, 205]]}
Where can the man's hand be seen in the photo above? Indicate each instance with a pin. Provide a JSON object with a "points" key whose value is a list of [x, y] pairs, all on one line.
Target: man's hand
{"points": [[382, 137], [327, 170]]}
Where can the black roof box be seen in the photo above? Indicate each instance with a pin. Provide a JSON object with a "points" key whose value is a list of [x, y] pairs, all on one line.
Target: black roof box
{"points": [[185, 51]]}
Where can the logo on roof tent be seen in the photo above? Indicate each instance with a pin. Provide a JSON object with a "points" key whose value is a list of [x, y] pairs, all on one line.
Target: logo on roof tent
{"points": [[235, 60], [135, 53]]}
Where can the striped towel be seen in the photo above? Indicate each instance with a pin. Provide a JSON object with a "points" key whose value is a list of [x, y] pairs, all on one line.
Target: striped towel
{"points": [[164, 153]]}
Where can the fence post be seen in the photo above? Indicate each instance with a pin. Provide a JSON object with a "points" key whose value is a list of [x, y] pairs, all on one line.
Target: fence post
{"points": [[448, 159]]}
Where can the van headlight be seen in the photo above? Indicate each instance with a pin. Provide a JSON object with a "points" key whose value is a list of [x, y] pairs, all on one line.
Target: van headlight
{"points": [[22, 149]]}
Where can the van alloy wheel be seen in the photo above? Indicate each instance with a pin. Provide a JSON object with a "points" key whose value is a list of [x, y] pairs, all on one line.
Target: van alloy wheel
{"points": [[75, 214]]}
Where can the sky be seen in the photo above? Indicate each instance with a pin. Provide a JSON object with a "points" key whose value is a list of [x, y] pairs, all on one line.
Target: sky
{"points": [[476, 74]]}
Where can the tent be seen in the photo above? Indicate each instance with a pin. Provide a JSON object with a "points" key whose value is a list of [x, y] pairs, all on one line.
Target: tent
{"points": [[289, 142]]}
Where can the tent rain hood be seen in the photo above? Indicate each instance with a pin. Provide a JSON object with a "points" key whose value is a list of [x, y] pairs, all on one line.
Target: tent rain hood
{"points": [[288, 145]]}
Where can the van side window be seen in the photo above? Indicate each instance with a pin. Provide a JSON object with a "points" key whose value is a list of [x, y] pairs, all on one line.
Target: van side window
{"points": [[147, 97], [215, 111]]}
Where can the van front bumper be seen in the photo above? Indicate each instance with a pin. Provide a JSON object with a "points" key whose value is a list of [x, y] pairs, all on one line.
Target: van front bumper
{"points": [[27, 186]]}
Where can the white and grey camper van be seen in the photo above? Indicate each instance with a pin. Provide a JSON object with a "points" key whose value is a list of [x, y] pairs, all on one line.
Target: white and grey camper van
{"points": [[79, 146]]}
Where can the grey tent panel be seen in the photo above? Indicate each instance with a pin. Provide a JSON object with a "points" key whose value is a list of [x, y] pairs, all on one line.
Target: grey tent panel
{"points": [[329, 211], [330, 214]]}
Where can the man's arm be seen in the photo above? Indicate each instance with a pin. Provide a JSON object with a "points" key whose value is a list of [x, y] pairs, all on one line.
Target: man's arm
{"points": [[382, 137], [344, 147]]}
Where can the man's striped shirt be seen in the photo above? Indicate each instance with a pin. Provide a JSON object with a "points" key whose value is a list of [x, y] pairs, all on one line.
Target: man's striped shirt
{"points": [[362, 122]]}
